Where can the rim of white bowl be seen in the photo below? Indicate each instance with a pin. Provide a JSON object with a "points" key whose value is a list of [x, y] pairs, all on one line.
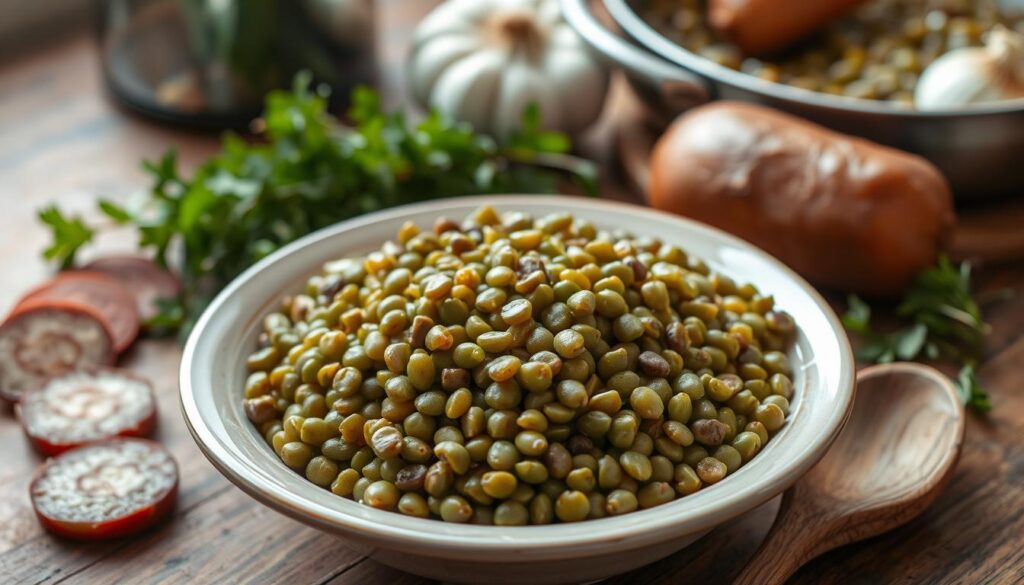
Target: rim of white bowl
{"points": [[697, 512]]}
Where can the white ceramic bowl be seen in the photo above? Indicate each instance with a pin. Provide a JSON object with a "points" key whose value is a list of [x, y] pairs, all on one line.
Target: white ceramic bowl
{"points": [[213, 374]]}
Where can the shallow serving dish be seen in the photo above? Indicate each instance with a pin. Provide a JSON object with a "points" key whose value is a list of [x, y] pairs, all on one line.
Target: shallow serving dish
{"points": [[213, 373]]}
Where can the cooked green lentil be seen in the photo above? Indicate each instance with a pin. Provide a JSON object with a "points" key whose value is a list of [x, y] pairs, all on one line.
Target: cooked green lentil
{"points": [[876, 52], [514, 371]]}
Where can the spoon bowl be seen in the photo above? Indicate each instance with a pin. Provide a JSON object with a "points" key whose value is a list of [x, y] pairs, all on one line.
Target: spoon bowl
{"points": [[889, 463]]}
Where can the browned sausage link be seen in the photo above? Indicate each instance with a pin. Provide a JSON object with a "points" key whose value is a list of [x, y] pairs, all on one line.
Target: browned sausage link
{"points": [[844, 212], [765, 26]]}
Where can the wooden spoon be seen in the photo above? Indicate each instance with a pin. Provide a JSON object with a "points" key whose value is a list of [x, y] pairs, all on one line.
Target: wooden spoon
{"points": [[888, 464]]}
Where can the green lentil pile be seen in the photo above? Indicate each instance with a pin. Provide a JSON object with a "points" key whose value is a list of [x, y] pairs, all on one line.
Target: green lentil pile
{"points": [[512, 371], [877, 52]]}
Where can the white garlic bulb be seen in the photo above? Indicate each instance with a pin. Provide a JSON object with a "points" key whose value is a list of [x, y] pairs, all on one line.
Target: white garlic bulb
{"points": [[975, 75], [485, 61]]}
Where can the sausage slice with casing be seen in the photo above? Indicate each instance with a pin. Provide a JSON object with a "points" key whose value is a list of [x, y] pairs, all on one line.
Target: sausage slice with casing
{"points": [[112, 302], [44, 340], [105, 490], [87, 406]]}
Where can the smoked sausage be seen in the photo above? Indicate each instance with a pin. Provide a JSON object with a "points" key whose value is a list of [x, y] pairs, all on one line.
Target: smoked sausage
{"points": [[844, 212], [766, 26]]}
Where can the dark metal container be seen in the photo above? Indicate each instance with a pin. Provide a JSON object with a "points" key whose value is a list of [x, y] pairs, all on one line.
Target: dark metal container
{"points": [[980, 151]]}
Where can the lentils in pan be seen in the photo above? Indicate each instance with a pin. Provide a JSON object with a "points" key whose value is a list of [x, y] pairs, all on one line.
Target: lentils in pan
{"points": [[876, 52], [511, 371]]}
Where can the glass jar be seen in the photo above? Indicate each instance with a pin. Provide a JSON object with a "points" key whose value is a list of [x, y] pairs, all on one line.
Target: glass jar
{"points": [[209, 63]]}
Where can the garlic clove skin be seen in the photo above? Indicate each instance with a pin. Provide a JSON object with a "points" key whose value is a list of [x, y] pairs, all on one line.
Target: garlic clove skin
{"points": [[572, 56], [467, 92], [433, 59], [974, 75], [955, 80], [522, 85]]}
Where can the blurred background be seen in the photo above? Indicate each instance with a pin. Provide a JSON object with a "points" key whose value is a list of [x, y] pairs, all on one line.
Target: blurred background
{"points": [[90, 88], [22, 19]]}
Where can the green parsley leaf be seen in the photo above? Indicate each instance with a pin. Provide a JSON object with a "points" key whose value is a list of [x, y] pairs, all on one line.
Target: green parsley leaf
{"points": [[858, 315], [941, 300], [165, 173], [114, 211], [972, 394], [908, 342], [531, 136], [69, 234], [944, 321], [168, 318]]}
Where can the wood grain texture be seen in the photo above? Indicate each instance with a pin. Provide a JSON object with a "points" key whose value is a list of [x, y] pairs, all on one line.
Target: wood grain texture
{"points": [[61, 140], [892, 459]]}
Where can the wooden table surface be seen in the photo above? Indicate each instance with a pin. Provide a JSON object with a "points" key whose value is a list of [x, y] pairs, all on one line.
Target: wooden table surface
{"points": [[61, 140]]}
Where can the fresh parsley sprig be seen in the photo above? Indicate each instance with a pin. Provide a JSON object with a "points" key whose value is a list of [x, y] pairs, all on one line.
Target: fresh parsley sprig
{"points": [[307, 170], [970, 389], [69, 234], [943, 321]]}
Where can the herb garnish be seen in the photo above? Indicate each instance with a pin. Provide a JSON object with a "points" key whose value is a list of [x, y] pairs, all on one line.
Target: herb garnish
{"points": [[308, 171], [944, 322]]}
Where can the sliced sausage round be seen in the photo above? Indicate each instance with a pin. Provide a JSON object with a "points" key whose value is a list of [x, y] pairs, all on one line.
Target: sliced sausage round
{"points": [[105, 490], [82, 407], [113, 303], [42, 341]]}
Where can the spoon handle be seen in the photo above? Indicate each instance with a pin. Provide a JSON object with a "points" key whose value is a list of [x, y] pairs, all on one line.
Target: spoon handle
{"points": [[791, 542]]}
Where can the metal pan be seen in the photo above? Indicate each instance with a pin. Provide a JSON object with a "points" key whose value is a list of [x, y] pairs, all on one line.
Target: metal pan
{"points": [[981, 151]]}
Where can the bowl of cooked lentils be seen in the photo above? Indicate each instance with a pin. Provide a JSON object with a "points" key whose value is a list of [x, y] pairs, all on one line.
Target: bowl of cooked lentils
{"points": [[542, 388]]}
